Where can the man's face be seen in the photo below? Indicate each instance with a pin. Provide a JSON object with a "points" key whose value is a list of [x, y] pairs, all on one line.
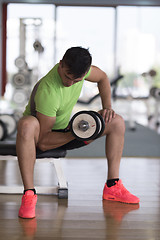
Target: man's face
{"points": [[67, 79]]}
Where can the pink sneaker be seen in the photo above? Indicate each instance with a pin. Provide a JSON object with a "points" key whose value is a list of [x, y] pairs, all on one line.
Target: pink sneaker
{"points": [[27, 209], [119, 193]]}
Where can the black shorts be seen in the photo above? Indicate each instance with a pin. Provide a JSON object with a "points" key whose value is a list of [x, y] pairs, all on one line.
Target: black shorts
{"points": [[72, 144]]}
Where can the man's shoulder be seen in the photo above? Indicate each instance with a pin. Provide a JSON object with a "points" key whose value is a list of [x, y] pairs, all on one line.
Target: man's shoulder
{"points": [[51, 79], [52, 73]]}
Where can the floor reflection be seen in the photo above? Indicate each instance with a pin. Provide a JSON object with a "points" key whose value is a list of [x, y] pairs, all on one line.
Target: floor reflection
{"points": [[28, 226], [114, 213], [117, 210], [49, 220]]}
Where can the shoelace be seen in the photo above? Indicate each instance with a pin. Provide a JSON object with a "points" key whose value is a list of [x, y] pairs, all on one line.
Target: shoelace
{"points": [[122, 187]]}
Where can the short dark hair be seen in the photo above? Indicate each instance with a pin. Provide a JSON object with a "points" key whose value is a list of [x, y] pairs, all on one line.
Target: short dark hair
{"points": [[77, 60]]}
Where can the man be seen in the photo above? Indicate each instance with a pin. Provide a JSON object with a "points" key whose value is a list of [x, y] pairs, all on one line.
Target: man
{"points": [[49, 110]]}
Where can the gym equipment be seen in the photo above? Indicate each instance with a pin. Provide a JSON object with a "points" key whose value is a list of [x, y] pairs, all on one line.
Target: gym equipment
{"points": [[38, 46], [8, 152], [17, 114], [3, 131], [101, 122], [87, 125], [19, 79], [152, 73], [10, 123], [20, 62], [20, 96], [113, 84], [155, 92], [154, 119]]}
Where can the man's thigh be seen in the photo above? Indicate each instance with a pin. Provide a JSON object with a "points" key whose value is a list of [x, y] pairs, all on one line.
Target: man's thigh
{"points": [[29, 125]]}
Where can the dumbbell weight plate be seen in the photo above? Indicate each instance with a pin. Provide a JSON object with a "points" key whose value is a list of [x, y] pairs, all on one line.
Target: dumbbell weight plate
{"points": [[19, 79], [157, 93], [152, 91], [19, 96], [20, 62], [101, 122], [10, 123], [3, 131], [91, 119]]}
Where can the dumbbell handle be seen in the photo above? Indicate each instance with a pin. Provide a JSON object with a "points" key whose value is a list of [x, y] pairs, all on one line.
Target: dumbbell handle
{"points": [[83, 125]]}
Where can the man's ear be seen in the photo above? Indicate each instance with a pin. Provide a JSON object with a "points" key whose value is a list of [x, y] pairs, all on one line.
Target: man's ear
{"points": [[61, 63]]}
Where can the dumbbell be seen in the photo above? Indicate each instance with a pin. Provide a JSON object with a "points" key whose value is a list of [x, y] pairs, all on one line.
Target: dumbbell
{"points": [[87, 125]]}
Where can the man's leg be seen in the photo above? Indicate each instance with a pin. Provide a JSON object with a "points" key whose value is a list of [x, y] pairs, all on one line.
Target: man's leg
{"points": [[27, 138], [114, 189], [114, 132]]}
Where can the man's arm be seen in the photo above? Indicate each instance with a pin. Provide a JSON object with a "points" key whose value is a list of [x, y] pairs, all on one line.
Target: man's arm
{"points": [[99, 76], [47, 138]]}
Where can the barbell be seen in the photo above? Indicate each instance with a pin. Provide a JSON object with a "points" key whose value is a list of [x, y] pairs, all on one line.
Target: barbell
{"points": [[87, 125]]}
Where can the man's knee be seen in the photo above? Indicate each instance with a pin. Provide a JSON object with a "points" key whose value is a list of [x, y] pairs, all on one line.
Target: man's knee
{"points": [[116, 125], [120, 124], [27, 127]]}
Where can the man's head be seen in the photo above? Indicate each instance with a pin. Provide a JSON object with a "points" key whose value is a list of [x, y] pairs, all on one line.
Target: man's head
{"points": [[74, 65]]}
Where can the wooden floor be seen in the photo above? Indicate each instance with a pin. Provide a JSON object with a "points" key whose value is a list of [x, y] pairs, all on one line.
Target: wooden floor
{"points": [[84, 215]]}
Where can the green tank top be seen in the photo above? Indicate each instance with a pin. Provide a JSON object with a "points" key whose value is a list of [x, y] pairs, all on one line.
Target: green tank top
{"points": [[53, 99]]}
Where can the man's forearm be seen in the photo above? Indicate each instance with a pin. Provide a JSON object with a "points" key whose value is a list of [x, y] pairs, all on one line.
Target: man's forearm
{"points": [[53, 140]]}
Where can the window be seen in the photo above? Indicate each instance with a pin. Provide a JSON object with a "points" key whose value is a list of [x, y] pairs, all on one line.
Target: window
{"points": [[138, 40], [27, 23], [89, 27]]}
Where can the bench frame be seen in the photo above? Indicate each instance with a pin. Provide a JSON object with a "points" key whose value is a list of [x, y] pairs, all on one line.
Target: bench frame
{"points": [[61, 190]]}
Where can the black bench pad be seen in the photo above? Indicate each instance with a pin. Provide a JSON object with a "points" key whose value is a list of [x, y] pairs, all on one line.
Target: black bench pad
{"points": [[9, 148]]}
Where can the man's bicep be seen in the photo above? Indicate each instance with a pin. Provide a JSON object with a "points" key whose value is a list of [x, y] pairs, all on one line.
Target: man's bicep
{"points": [[96, 74], [46, 122]]}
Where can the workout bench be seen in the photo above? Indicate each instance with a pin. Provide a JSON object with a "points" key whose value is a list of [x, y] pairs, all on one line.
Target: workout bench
{"points": [[8, 152]]}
